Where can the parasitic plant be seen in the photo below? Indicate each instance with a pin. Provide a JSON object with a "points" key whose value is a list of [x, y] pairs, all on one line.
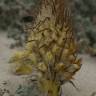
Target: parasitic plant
{"points": [[51, 49]]}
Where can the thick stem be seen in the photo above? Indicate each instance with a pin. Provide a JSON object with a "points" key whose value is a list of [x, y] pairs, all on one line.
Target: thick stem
{"points": [[55, 91]]}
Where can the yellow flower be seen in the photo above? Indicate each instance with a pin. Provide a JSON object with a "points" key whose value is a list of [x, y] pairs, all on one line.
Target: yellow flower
{"points": [[76, 66], [78, 61], [59, 67], [68, 75], [17, 56], [73, 48], [72, 58], [21, 54], [42, 67], [33, 58], [48, 57], [56, 49], [24, 70]]}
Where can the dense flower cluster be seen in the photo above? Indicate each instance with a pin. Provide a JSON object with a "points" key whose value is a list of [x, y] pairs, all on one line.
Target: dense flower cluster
{"points": [[51, 49]]}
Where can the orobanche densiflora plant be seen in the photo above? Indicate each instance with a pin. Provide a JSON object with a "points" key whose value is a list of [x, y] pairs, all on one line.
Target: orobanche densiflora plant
{"points": [[51, 49]]}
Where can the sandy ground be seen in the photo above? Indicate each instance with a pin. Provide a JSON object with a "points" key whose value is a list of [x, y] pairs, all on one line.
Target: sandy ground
{"points": [[5, 67], [85, 79]]}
